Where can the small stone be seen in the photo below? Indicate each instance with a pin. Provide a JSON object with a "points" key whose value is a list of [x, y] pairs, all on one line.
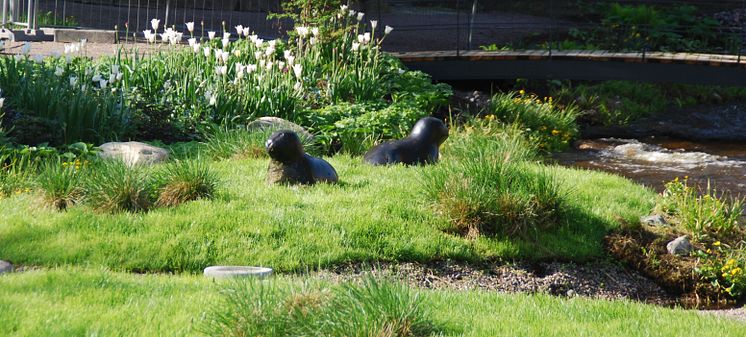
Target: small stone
{"points": [[679, 246], [571, 293], [277, 123], [5, 267], [653, 220], [134, 153]]}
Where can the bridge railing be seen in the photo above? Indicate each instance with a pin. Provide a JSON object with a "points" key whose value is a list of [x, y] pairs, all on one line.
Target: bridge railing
{"points": [[622, 25]]}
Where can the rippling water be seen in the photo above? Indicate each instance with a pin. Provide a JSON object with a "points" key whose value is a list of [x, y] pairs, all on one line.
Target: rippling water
{"points": [[653, 161]]}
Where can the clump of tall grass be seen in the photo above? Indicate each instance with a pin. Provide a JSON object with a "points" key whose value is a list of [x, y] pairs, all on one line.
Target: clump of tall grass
{"points": [[184, 181], [487, 185], [701, 211], [550, 126], [269, 308], [114, 186], [62, 183]]}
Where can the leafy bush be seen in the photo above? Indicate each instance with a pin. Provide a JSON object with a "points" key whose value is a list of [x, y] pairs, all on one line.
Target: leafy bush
{"points": [[354, 128], [485, 186], [184, 181], [370, 308], [701, 212], [62, 184], [722, 268], [113, 186], [546, 124]]}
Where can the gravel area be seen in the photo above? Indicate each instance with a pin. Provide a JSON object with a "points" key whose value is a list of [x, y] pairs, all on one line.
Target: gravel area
{"points": [[596, 280], [737, 314]]}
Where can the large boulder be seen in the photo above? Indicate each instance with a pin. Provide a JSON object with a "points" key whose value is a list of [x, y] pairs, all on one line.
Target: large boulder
{"points": [[277, 123], [5, 267], [134, 153]]}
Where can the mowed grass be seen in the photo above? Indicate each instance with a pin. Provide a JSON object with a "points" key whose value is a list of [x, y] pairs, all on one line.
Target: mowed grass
{"points": [[376, 213], [78, 301]]}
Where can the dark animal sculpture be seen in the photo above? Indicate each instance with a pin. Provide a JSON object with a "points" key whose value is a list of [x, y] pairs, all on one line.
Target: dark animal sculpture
{"points": [[419, 148], [290, 164]]}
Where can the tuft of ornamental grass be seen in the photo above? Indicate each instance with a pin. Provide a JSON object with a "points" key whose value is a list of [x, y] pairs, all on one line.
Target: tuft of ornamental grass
{"points": [[240, 143], [377, 308], [184, 181], [276, 308], [112, 186], [701, 211], [62, 184], [487, 185]]}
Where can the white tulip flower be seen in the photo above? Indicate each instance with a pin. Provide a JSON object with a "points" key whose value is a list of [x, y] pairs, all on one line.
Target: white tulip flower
{"points": [[388, 30], [221, 70], [312, 40], [210, 35], [73, 81], [206, 51], [226, 42], [190, 26], [246, 31], [115, 69], [281, 65], [226, 35], [196, 47], [192, 41], [26, 49], [96, 78], [315, 31], [258, 54], [343, 8], [373, 24], [155, 23], [2, 102], [239, 30], [355, 46], [352, 12], [237, 52], [59, 71], [224, 56], [250, 68], [102, 84], [360, 16], [291, 60], [298, 70], [298, 86], [302, 31]]}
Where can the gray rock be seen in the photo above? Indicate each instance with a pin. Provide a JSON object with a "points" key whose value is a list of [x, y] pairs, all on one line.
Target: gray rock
{"points": [[237, 271], [679, 246], [5, 267], [277, 123], [134, 153], [653, 220]]}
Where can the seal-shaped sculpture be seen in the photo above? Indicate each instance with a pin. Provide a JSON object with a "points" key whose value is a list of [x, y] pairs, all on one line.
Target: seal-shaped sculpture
{"points": [[419, 148], [290, 164]]}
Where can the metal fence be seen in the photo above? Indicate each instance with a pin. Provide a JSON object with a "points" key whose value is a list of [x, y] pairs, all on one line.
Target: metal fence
{"points": [[431, 25]]}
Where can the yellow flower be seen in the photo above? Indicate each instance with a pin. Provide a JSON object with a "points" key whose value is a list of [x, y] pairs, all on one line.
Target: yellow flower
{"points": [[556, 132], [735, 271], [522, 92], [717, 243]]}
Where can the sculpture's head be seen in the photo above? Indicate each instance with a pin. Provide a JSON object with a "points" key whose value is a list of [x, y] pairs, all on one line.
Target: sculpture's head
{"points": [[431, 130], [284, 146]]}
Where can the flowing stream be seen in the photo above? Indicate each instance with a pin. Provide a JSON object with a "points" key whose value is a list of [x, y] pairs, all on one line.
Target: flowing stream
{"points": [[704, 143], [652, 161]]}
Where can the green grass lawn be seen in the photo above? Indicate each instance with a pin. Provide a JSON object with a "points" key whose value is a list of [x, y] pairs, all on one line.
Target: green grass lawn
{"points": [[79, 301], [376, 213]]}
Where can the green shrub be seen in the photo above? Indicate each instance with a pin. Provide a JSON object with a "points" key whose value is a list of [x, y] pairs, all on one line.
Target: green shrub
{"points": [[484, 184], [616, 102], [112, 186], [546, 124], [62, 183], [701, 212], [370, 308], [722, 267], [184, 181]]}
